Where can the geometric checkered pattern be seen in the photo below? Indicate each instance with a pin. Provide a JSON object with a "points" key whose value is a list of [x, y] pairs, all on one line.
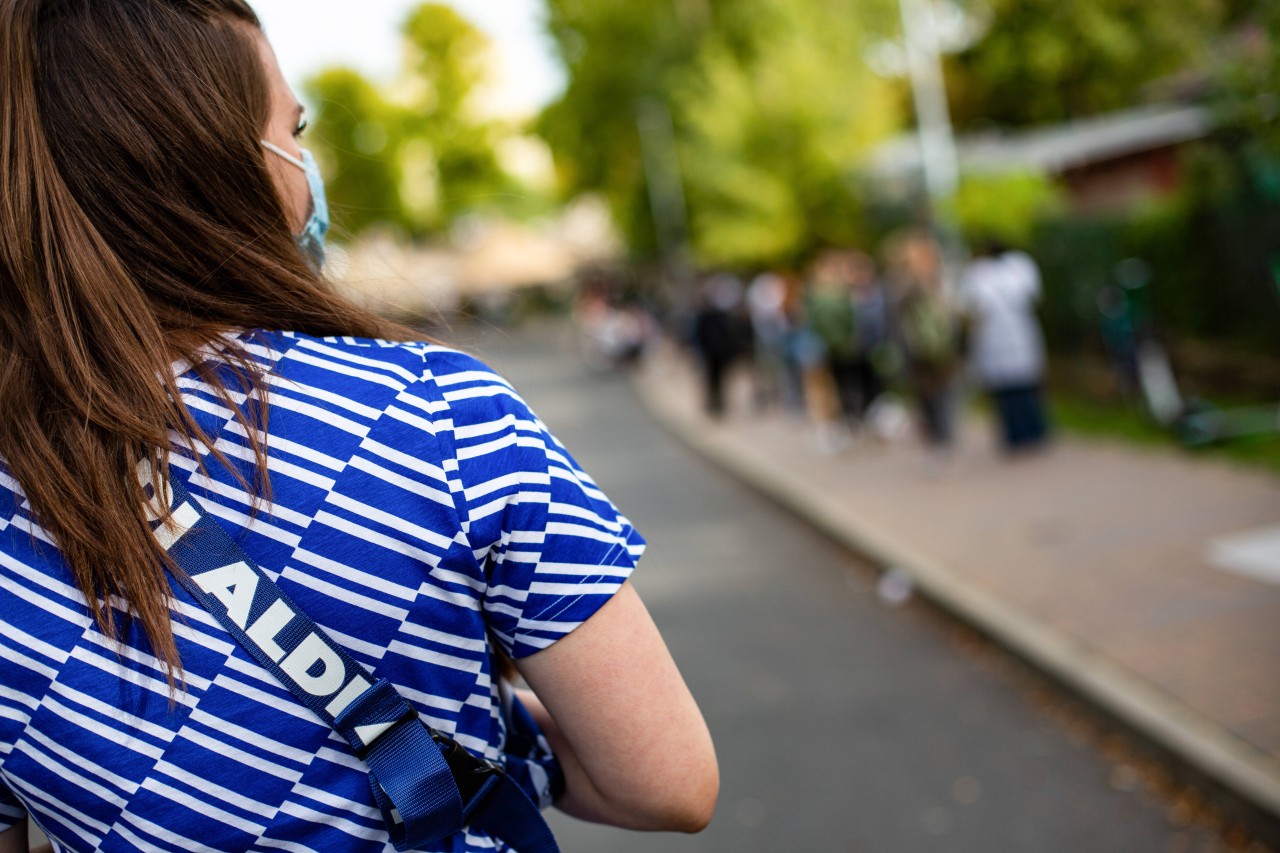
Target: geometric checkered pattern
{"points": [[418, 508]]}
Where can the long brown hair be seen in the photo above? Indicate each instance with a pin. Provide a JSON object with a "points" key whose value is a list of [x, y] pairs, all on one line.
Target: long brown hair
{"points": [[138, 223]]}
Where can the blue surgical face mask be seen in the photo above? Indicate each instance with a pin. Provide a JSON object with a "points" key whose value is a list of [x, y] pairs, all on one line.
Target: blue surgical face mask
{"points": [[311, 240]]}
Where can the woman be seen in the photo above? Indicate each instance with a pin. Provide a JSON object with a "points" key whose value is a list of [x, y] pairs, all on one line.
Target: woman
{"points": [[158, 306]]}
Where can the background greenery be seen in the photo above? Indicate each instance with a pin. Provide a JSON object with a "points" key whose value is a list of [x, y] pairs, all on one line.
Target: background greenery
{"points": [[773, 107], [413, 157]]}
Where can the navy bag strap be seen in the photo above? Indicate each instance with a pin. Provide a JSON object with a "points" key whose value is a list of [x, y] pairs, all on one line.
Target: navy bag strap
{"points": [[427, 786]]}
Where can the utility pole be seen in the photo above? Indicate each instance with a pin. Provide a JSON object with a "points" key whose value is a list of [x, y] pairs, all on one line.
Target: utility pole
{"points": [[938, 155]]}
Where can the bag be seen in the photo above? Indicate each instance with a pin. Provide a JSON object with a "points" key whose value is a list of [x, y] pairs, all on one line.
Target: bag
{"points": [[426, 785]]}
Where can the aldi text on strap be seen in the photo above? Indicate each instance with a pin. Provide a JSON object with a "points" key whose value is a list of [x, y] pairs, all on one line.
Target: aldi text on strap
{"points": [[427, 786]]}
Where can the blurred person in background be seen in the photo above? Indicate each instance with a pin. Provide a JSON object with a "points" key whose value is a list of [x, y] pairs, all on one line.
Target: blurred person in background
{"points": [[828, 312], [613, 332], [802, 348], [999, 291], [721, 335], [165, 320], [1120, 337], [926, 329], [767, 308], [871, 332]]}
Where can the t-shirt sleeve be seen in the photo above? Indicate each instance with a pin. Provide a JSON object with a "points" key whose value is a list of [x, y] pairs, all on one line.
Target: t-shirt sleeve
{"points": [[551, 546], [11, 811]]}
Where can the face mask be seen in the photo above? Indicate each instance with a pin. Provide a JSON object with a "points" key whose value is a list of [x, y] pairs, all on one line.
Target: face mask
{"points": [[311, 240]]}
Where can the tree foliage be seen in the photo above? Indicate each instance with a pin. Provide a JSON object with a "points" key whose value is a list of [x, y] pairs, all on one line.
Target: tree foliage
{"points": [[773, 134], [616, 54], [355, 133], [1004, 206], [1049, 61], [444, 65], [412, 155], [1247, 81], [771, 102]]}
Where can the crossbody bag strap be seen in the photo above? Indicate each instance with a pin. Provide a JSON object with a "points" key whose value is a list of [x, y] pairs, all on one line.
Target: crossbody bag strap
{"points": [[427, 786]]}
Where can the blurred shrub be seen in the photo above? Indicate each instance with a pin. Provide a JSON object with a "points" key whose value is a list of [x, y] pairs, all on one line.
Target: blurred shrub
{"points": [[1245, 94], [1006, 205], [1213, 252]]}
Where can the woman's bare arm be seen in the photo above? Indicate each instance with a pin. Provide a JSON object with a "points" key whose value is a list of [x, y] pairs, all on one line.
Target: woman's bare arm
{"points": [[14, 840], [635, 749]]}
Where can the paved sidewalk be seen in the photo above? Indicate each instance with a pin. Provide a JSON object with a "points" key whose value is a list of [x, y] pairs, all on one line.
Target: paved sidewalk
{"points": [[1148, 581]]}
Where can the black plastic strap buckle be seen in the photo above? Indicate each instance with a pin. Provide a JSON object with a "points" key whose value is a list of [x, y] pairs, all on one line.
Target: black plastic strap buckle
{"points": [[477, 778]]}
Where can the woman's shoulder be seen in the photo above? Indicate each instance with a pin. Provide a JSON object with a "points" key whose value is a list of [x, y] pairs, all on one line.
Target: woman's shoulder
{"points": [[351, 363], [348, 385]]}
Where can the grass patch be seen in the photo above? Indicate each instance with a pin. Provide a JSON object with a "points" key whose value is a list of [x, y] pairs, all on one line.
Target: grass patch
{"points": [[1130, 423]]}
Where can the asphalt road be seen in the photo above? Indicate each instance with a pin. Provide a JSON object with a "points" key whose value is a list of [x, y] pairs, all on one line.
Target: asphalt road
{"points": [[842, 724]]}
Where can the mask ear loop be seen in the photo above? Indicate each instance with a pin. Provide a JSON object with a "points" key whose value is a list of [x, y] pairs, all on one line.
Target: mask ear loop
{"points": [[275, 149]]}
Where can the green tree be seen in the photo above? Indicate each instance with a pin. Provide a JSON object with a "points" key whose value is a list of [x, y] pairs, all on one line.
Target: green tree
{"points": [[1049, 60], [355, 134], [617, 55], [451, 155], [1246, 97], [411, 156], [771, 103], [774, 133]]}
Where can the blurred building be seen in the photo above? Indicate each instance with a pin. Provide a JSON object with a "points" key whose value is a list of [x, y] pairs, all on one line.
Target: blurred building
{"points": [[483, 258], [1104, 162]]}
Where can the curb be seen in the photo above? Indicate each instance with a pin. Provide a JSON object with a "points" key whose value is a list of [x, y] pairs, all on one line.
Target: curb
{"points": [[1230, 762]]}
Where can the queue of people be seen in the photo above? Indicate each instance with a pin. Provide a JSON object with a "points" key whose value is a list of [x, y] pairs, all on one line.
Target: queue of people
{"points": [[846, 341]]}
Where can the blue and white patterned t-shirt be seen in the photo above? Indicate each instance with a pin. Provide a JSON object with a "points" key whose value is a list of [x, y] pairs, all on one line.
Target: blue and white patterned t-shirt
{"points": [[418, 506]]}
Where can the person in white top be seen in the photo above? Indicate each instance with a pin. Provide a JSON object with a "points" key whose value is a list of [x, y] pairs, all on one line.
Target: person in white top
{"points": [[999, 292]]}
